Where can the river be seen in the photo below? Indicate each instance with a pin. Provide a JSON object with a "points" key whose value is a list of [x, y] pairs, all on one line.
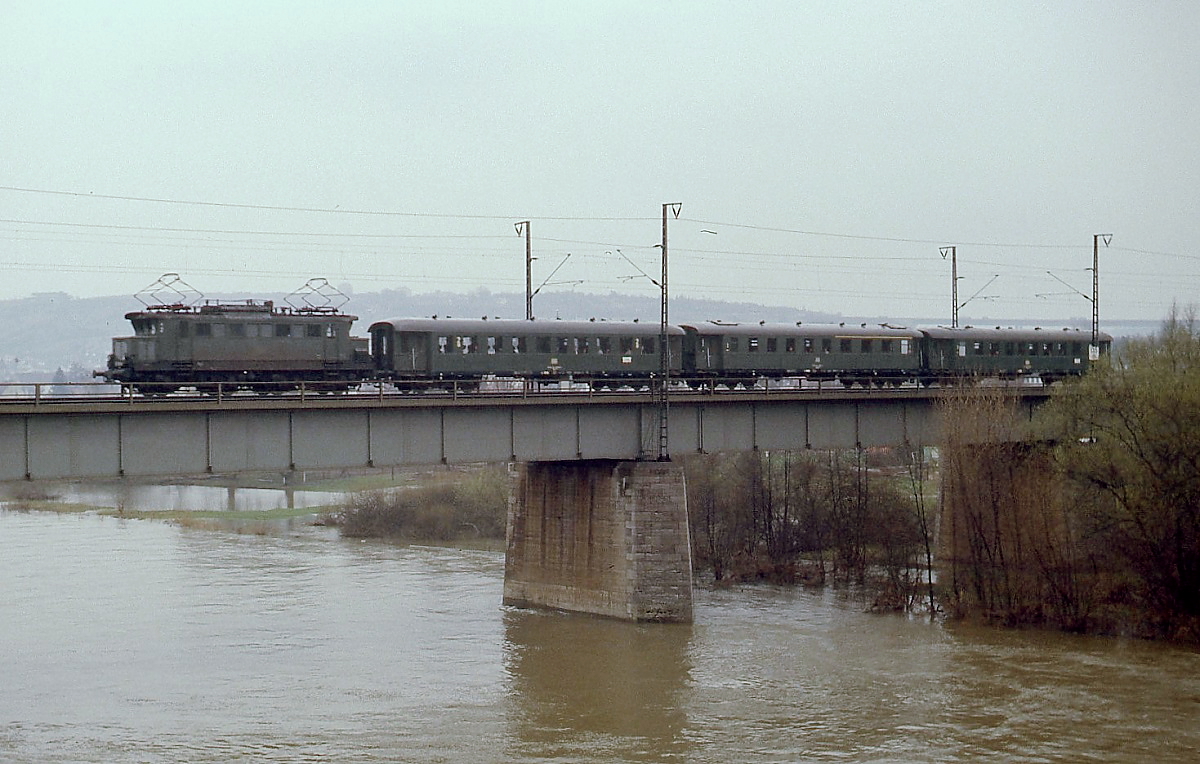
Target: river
{"points": [[142, 641]]}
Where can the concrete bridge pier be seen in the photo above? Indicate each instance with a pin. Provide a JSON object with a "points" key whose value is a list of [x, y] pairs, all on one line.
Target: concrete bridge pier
{"points": [[604, 537]]}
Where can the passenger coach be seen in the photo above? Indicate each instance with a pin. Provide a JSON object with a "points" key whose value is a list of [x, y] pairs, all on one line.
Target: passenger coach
{"points": [[1045, 353], [457, 349], [867, 354]]}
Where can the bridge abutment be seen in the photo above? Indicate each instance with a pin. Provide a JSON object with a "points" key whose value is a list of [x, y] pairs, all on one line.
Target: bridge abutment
{"points": [[604, 537]]}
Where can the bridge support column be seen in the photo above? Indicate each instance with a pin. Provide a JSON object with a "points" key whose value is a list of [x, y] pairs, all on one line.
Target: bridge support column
{"points": [[603, 537]]}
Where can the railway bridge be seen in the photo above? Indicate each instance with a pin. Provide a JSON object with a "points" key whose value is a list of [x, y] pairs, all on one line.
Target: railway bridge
{"points": [[597, 523]]}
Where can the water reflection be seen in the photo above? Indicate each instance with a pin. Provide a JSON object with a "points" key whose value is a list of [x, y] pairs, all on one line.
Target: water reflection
{"points": [[149, 498], [586, 687]]}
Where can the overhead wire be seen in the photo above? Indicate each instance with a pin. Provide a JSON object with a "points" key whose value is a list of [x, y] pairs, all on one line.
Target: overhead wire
{"points": [[358, 244]]}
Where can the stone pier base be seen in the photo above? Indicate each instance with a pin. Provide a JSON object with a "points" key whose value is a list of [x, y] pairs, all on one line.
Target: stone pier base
{"points": [[603, 537]]}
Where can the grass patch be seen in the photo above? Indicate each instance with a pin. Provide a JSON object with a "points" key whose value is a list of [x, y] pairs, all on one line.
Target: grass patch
{"points": [[448, 507]]}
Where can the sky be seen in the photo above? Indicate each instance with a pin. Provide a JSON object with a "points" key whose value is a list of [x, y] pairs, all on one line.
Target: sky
{"points": [[823, 153]]}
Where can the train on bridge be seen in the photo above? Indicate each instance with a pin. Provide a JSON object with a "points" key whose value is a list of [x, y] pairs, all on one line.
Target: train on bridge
{"points": [[256, 344]]}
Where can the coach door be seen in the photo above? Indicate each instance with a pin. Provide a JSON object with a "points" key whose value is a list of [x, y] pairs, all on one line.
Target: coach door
{"points": [[382, 339], [411, 352]]}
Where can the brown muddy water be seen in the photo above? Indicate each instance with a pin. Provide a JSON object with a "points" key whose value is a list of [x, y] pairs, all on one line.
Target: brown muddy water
{"points": [[140, 641]]}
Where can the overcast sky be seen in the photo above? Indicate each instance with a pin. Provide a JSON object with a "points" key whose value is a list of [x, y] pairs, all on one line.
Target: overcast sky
{"points": [[829, 148]]}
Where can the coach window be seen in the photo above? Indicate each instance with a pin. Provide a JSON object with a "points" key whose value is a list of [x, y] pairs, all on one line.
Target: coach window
{"points": [[789, 345], [808, 345], [752, 345], [962, 350], [545, 345], [845, 346], [283, 330], [442, 343], [604, 345], [866, 346], [904, 349], [312, 330], [252, 330], [826, 345], [648, 345], [1076, 348], [994, 349], [237, 330], [203, 330], [1009, 348], [885, 346], [731, 344], [183, 329], [582, 345], [772, 345]]}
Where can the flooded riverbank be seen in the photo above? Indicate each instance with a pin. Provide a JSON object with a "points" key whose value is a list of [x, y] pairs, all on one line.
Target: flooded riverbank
{"points": [[136, 641]]}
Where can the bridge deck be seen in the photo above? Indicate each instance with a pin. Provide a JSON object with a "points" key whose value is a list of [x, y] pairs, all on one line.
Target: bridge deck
{"points": [[61, 439]]}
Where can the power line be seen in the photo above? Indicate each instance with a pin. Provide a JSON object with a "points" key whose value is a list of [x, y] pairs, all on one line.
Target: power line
{"points": [[252, 233], [281, 208]]}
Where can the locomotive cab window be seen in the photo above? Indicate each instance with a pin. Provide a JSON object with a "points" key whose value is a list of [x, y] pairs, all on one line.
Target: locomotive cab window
{"points": [[147, 326]]}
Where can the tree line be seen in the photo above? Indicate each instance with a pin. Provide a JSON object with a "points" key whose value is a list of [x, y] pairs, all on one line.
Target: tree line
{"points": [[1090, 522], [1083, 517]]}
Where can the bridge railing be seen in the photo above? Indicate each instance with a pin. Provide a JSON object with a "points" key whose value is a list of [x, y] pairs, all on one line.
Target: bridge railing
{"points": [[219, 392]]}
